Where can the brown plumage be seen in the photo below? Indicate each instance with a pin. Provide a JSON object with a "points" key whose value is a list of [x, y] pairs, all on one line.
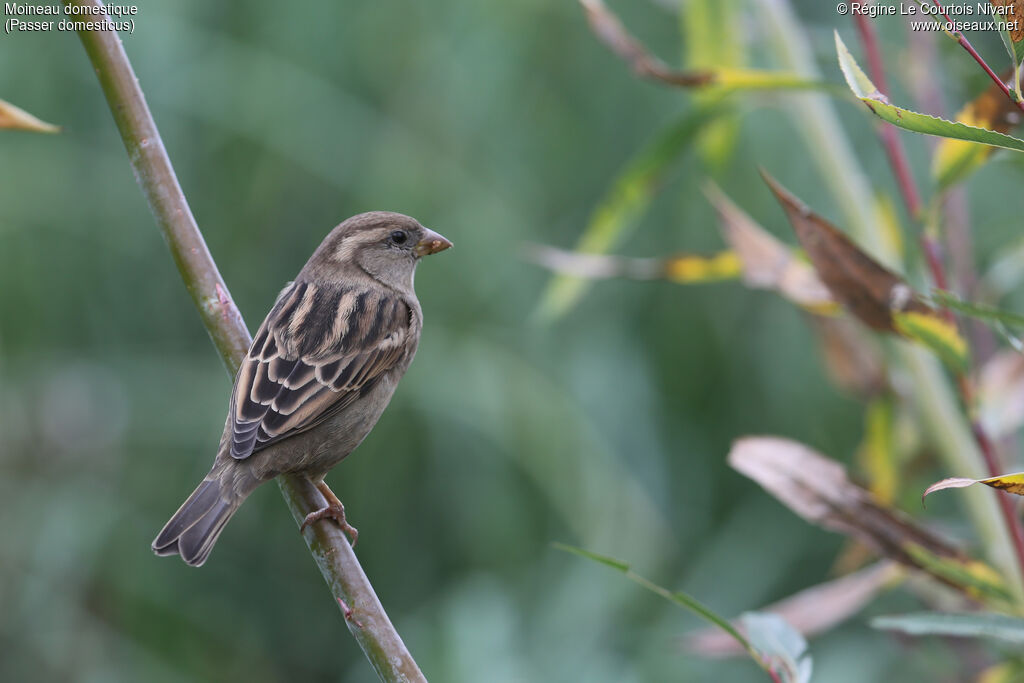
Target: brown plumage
{"points": [[319, 373]]}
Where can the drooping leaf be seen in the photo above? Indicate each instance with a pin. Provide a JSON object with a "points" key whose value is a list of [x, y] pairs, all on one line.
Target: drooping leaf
{"points": [[876, 296], [686, 269], [865, 287], [682, 268], [954, 159], [864, 89], [1011, 483], [979, 311], [974, 625], [16, 118], [812, 611], [818, 490], [719, 74], [975, 578], [624, 204], [767, 263]]}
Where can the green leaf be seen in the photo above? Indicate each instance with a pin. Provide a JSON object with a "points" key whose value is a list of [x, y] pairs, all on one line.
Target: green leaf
{"points": [[864, 89], [602, 559], [773, 644], [976, 578], [935, 333], [625, 203], [979, 311], [997, 626]]}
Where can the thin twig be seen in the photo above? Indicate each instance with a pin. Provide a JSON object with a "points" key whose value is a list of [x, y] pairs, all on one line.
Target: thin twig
{"points": [[365, 617], [611, 32], [933, 255], [959, 37]]}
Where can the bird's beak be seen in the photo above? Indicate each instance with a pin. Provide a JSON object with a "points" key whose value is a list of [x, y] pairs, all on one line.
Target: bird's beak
{"points": [[431, 243]]}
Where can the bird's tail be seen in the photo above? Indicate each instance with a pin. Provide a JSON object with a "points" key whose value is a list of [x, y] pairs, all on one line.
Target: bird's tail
{"points": [[194, 528]]}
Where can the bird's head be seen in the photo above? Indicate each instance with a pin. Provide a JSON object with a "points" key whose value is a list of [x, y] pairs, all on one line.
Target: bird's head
{"points": [[384, 245]]}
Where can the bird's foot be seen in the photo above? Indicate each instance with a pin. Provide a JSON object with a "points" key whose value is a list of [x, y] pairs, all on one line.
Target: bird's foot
{"points": [[335, 511]]}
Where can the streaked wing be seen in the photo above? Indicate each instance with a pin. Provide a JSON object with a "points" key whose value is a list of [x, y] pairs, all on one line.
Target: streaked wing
{"points": [[320, 346]]}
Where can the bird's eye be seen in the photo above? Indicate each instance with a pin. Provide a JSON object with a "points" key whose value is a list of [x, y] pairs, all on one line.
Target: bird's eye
{"points": [[399, 237]]}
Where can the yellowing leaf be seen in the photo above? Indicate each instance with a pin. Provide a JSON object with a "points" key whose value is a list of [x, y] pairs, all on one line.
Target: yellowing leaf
{"points": [[18, 119], [955, 159], [684, 268], [879, 298], [710, 72], [864, 89], [759, 79], [936, 333], [889, 224], [1003, 672], [625, 202], [766, 262], [878, 450], [1011, 483], [865, 287], [976, 579], [723, 266]]}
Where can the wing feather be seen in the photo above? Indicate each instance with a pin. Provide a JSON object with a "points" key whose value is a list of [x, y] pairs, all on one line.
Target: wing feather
{"points": [[320, 347]]}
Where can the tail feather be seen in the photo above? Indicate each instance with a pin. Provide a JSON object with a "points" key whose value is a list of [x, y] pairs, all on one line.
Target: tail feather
{"points": [[194, 528]]}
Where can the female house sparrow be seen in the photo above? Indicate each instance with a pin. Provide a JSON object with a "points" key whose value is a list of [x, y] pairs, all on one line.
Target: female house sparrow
{"points": [[319, 373]]}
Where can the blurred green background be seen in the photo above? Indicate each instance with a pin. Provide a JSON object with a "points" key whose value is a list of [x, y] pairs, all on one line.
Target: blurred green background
{"points": [[496, 124]]}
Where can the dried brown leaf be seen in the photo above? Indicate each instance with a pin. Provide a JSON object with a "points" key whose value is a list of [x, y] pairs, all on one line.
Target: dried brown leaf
{"points": [[819, 490], [767, 262], [1015, 14], [812, 611], [992, 109], [866, 288], [18, 119]]}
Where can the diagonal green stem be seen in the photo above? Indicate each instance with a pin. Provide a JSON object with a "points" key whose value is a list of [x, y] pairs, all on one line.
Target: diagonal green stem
{"points": [[363, 612]]}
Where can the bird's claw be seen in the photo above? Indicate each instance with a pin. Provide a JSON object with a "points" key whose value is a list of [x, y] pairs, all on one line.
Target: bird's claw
{"points": [[335, 512]]}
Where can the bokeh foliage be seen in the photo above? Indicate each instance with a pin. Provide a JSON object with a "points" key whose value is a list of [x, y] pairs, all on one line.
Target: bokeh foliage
{"points": [[496, 124]]}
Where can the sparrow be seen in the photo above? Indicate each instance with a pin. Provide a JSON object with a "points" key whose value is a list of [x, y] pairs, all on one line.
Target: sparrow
{"points": [[320, 371]]}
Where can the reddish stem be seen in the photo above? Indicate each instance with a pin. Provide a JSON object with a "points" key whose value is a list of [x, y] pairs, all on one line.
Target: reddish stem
{"points": [[1006, 505], [898, 157], [890, 137], [933, 250], [966, 44]]}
